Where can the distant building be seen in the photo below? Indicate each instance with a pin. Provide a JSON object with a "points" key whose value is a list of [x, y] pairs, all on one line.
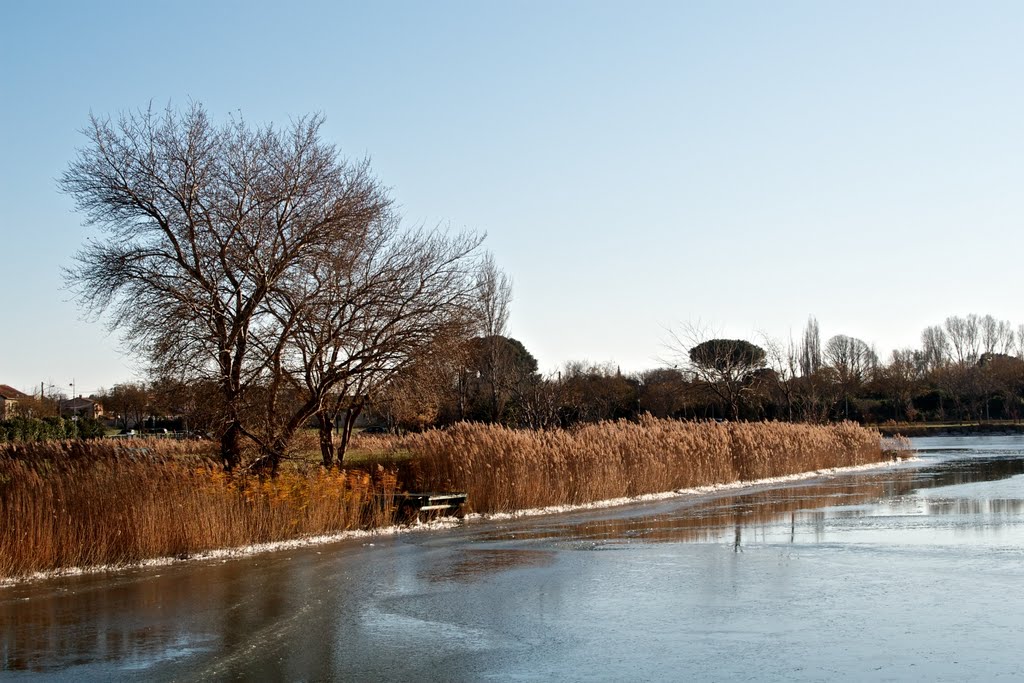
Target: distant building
{"points": [[81, 407], [9, 397]]}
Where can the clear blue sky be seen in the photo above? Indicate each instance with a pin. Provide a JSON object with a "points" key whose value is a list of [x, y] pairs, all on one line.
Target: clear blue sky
{"points": [[634, 164]]}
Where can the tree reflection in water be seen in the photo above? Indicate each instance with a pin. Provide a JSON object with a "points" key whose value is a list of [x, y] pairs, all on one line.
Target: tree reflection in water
{"points": [[709, 520]]}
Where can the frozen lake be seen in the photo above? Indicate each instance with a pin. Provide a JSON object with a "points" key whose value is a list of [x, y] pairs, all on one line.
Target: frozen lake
{"points": [[911, 572]]}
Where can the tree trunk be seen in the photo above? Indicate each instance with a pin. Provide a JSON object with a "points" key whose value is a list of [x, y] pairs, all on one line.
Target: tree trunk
{"points": [[327, 440], [351, 415], [462, 395], [231, 446], [270, 460], [734, 408]]}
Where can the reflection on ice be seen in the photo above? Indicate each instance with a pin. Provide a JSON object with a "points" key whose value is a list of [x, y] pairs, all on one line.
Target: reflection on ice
{"points": [[797, 513], [39, 633], [974, 506], [478, 564]]}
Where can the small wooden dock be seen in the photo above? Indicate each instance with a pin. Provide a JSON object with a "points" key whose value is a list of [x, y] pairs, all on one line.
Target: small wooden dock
{"points": [[412, 506]]}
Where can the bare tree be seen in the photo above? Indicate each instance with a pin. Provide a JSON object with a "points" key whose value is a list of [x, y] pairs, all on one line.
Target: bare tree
{"points": [[419, 395], [785, 361], [965, 385], [493, 298], [727, 367], [366, 319], [851, 357], [899, 380], [1003, 376], [996, 336], [964, 336], [854, 362], [934, 347], [195, 404], [810, 349], [592, 392], [496, 364], [543, 400], [128, 402], [218, 247]]}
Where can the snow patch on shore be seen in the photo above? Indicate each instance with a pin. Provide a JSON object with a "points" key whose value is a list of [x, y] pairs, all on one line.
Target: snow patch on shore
{"points": [[226, 554], [696, 491]]}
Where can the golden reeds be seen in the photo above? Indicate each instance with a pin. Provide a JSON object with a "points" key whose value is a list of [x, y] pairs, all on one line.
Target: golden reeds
{"points": [[75, 504], [504, 469]]}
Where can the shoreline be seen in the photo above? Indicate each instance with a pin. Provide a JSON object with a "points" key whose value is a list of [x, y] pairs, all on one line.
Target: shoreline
{"points": [[933, 429], [442, 523]]}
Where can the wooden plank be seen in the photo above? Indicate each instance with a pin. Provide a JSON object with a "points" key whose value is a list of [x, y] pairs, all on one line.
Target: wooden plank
{"points": [[430, 502], [432, 497]]}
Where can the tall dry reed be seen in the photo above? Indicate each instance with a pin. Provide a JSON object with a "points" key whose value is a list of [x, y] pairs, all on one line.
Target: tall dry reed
{"points": [[505, 469], [73, 504], [65, 504]]}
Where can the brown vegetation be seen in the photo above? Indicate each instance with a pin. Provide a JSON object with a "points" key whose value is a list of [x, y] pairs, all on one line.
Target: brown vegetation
{"points": [[505, 469], [77, 503]]}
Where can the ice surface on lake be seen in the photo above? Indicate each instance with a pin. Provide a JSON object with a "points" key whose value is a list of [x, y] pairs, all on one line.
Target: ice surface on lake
{"points": [[908, 572]]}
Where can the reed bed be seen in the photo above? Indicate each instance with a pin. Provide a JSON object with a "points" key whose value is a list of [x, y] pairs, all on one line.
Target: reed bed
{"points": [[87, 503], [78, 504], [503, 470]]}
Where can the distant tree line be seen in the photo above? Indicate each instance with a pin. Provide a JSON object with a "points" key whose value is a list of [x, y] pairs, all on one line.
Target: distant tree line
{"points": [[968, 368], [959, 373]]}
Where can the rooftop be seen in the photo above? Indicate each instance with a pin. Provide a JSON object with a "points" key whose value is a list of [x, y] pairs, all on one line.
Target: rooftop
{"points": [[10, 393]]}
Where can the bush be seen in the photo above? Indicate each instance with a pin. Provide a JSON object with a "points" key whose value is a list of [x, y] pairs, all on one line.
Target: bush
{"points": [[30, 429]]}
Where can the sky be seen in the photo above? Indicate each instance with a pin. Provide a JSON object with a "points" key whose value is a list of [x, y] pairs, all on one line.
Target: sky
{"points": [[636, 167]]}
